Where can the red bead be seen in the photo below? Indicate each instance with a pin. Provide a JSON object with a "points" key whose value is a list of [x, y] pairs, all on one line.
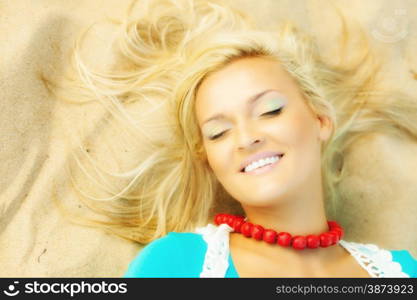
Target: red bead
{"points": [[246, 229], [224, 218], [333, 224], [230, 219], [338, 231], [299, 242], [284, 239], [270, 236], [313, 241], [335, 237], [257, 232], [218, 219], [325, 240], [237, 224]]}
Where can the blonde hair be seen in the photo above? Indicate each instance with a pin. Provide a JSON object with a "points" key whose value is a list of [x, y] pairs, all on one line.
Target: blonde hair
{"points": [[166, 52]]}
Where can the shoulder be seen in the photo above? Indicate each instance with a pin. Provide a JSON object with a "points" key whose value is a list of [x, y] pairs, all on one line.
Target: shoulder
{"points": [[178, 254]]}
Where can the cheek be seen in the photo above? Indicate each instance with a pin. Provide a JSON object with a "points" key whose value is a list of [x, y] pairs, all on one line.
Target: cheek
{"points": [[299, 130], [217, 158]]}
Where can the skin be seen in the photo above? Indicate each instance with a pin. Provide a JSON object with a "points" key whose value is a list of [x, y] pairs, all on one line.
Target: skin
{"points": [[290, 196]]}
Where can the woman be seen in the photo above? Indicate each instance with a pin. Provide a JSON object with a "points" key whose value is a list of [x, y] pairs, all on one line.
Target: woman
{"points": [[248, 107], [249, 110], [259, 124]]}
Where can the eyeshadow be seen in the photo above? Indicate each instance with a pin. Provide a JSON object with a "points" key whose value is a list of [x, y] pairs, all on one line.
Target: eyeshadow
{"points": [[214, 130], [272, 104]]}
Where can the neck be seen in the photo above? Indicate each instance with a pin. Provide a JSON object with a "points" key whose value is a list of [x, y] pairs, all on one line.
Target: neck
{"points": [[302, 213], [294, 219]]}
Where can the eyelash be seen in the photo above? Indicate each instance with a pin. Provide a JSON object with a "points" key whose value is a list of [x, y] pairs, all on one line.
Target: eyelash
{"points": [[272, 112]]}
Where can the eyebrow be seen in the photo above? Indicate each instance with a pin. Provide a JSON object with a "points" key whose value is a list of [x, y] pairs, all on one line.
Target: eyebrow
{"points": [[250, 101]]}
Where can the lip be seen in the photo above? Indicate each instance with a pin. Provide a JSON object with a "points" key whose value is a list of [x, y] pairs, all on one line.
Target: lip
{"points": [[258, 156], [264, 169]]}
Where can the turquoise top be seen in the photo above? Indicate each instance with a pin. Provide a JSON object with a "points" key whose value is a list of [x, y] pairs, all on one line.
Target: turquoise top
{"points": [[181, 255]]}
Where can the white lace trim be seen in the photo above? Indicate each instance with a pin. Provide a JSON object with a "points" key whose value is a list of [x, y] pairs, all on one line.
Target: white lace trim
{"points": [[216, 260], [377, 262]]}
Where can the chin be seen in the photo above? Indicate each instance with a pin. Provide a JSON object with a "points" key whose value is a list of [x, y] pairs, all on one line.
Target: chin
{"points": [[257, 197], [265, 203]]}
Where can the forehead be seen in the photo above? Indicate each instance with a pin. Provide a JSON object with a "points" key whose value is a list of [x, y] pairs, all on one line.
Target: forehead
{"points": [[229, 88]]}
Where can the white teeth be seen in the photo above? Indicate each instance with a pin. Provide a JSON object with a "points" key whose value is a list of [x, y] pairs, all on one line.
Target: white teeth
{"points": [[260, 163]]}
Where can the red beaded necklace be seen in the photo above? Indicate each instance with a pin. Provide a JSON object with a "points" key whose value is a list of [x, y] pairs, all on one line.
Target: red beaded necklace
{"points": [[299, 242]]}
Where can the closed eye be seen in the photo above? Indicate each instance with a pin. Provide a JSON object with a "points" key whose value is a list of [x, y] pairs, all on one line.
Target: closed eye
{"points": [[273, 112], [217, 136]]}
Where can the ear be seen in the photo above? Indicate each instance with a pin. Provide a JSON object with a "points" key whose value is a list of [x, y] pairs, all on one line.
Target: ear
{"points": [[325, 127]]}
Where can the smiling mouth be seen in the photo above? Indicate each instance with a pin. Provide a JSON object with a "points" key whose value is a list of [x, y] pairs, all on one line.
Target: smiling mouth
{"points": [[263, 168]]}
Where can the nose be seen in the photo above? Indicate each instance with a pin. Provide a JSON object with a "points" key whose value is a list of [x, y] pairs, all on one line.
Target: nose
{"points": [[248, 140], [250, 144]]}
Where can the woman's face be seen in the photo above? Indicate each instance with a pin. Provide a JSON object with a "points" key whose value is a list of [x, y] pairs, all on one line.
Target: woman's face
{"points": [[254, 107]]}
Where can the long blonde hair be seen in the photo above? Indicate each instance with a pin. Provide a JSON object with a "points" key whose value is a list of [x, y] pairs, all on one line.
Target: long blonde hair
{"points": [[165, 52]]}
